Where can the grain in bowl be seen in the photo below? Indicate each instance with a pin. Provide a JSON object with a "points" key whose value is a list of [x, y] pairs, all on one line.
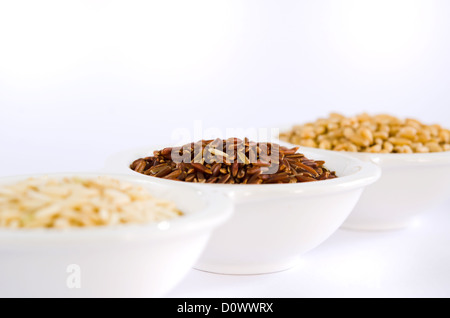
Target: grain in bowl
{"points": [[381, 133], [233, 161], [79, 202]]}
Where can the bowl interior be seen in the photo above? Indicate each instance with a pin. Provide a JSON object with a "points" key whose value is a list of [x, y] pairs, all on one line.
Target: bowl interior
{"points": [[384, 159], [339, 162], [346, 166], [199, 208]]}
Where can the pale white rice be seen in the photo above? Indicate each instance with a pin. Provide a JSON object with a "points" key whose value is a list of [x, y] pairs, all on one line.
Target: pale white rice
{"points": [[79, 202]]}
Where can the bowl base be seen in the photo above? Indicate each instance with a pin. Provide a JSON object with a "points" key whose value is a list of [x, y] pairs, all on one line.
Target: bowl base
{"points": [[379, 225], [247, 269]]}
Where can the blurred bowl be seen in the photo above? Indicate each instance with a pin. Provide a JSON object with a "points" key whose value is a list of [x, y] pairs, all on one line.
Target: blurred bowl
{"points": [[139, 260], [273, 224], [410, 185]]}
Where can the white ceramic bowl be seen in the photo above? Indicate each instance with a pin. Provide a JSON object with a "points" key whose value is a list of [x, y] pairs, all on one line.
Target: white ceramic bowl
{"points": [[144, 260], [273, 225], [410, 185]]}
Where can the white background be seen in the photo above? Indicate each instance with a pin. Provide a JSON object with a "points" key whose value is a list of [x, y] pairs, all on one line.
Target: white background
{"points": [[81, 80]]}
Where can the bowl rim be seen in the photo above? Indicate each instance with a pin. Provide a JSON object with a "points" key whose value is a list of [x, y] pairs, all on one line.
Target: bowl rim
{"points": [[366, 174], [218, 208]]}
